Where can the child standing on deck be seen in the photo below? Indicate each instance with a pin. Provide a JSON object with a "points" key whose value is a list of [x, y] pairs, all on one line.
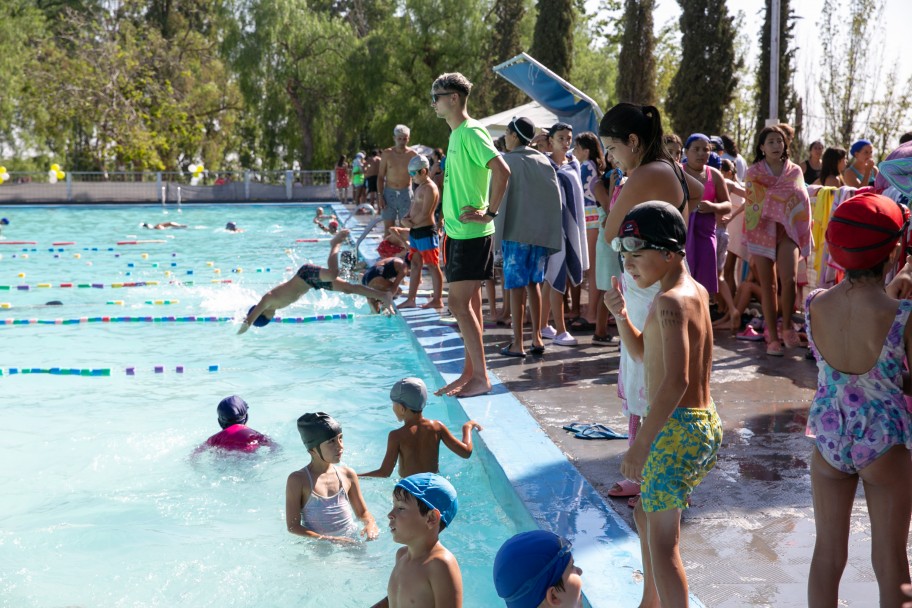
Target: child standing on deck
{"points": [[425, 574], [862, 423], [320, 498], [677, 443], [417, 444]]}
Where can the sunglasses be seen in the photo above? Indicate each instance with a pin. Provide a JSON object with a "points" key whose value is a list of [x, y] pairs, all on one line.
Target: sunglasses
{"points": [[631, 243], [413, 173], [436, 96]]}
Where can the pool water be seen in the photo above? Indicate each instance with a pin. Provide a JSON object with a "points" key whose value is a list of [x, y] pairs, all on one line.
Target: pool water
{"points": [[103, 504]]}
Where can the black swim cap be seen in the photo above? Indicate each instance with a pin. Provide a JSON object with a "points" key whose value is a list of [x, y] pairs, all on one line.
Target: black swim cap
{"points": [[260, 321], [317, 428], [232, 410]]}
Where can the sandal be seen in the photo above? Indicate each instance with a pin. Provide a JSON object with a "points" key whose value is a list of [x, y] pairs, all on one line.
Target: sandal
{"points": [[580, 324], [624, 489], [774, 349], [602, 339]]}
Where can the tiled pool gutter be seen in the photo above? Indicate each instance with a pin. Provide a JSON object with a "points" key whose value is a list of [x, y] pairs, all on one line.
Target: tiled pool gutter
{"points": [[514, 448]]}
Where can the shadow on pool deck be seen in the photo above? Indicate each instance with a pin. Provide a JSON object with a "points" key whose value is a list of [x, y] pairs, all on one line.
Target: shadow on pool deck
{"points": [[748, 537]]}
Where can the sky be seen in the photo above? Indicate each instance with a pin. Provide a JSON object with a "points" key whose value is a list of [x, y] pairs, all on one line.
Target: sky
{"points": [[896, 21]]}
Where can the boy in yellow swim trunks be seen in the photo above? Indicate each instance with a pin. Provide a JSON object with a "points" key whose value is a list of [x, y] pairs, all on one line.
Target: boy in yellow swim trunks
{"points": [[681, 433]]}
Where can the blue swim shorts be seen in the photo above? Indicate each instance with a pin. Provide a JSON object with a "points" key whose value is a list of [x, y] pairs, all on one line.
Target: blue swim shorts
{"points": [[523, 264], [680, 457]]}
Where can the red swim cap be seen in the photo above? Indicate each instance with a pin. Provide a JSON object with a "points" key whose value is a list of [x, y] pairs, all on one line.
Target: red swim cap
{"points": [[864, 230]]}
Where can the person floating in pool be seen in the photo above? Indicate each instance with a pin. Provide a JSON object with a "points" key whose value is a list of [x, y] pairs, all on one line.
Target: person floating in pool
{"points": [[417, 444], [321, 215], [332, 227], [3, 222], [535, 569], [426, 574], [235, 435], [232, 227], [320, 498], [310, 276], [163, 225], [385, 276]]}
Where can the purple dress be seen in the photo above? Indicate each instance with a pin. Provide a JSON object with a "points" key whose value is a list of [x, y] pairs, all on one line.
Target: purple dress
{"points": [[701, 242]]}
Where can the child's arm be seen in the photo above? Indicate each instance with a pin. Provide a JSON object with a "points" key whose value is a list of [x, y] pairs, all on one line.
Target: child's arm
{"points": [[389, 460], [630, 335], [370, 531], [446, 582], [672, 323], [463, 448], [262, 305], [361, 290], [900, 288]]}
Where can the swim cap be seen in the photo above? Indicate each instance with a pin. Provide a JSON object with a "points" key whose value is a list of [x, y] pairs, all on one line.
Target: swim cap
{"points": [[717, 142], [411, 393], [4, 222], [230, 226], [418, 163], [658, 223], [232, 410], [524, 129], [434, 491], [260, 321], [695, 137], [858, 145], [864, 229], [317, 428], [527, 565], [714, 161]]}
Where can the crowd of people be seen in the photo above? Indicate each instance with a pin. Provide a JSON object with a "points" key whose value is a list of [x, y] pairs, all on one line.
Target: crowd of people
{"points": [[672, 239]]}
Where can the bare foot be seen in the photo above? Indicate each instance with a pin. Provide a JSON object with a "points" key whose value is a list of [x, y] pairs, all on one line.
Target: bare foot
{"points": [[453, 386], [340, 236], [722, 322], [472, 388], [437, 304], [408, 304]]}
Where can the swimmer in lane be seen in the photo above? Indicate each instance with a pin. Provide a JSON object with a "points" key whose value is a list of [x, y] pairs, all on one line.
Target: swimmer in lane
{"points": [[235, 435], [163, 226], [310, 276]]}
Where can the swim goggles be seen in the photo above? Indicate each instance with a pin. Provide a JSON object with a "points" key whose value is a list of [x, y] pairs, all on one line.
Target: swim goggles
{"points": [[631, 243]]}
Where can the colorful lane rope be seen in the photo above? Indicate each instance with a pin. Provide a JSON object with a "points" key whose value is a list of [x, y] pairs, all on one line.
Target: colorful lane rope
{"points": [[101, 371], [172, 319]]}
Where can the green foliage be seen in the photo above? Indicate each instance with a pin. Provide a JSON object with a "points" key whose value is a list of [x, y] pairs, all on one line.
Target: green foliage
{"points": [[594, 64], [787, 99], [636, 80], [22, 30], [707, 76], [503, 43], [668, 60], [738, 117], [552, 43]]}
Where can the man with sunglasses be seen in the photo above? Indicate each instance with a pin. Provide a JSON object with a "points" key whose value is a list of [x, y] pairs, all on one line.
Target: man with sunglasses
{"points": [[677, 443], [473, 169]]}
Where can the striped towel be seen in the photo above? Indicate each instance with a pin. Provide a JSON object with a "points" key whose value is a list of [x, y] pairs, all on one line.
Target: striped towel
{"points": [[572, 261]]}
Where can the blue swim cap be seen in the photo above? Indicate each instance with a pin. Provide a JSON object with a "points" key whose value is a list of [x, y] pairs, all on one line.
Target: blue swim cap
{"points": [[4, 222], [527, 565], [434, 491], [260, 321], [858, 145], [695, 137]]}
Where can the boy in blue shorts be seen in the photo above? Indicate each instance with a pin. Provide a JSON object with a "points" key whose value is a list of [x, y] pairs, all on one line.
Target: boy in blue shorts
{"points": [[426, 574], [424, 246], [309, 276], [681, 433], [535, 570]]}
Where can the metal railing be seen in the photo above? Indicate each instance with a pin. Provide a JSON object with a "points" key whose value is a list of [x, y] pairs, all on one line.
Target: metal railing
{"points": [[81, 187]]}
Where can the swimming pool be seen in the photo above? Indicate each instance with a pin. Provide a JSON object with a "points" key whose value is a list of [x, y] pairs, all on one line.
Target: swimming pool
{"points": [[103, 505]]}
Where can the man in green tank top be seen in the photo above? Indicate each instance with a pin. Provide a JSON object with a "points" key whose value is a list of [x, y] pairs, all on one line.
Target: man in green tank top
{"points": [[473, 169]]}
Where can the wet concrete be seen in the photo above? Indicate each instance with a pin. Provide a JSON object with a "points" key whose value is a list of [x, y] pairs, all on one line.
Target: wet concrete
{"points": [[748, 537]]}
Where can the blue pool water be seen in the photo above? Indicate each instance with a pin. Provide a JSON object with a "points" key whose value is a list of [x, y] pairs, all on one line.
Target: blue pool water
{"points": [[103, 506]]}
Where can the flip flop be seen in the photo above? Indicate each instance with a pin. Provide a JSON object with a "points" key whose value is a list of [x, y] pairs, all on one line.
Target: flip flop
{"points": [[624, 489], [505, 351], [581, 324], [538, 350], [576, 427], [600, 431]]}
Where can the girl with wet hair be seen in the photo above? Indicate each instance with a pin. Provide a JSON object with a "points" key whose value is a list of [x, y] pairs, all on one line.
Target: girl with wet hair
{"points": [[832, 164]]}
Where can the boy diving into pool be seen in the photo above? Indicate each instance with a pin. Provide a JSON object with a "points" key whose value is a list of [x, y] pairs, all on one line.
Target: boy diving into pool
{"points": [[310, 276]]}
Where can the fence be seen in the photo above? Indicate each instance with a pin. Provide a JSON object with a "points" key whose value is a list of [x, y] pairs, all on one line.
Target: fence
{"points": [[169, 188]]}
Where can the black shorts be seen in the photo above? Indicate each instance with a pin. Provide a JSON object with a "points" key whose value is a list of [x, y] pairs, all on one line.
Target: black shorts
{"points": [[371, 183], [468, 259]]}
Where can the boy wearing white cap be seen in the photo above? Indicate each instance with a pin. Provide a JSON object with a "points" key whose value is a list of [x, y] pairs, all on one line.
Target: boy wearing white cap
{"points": [[424, 246], [416, 445]]}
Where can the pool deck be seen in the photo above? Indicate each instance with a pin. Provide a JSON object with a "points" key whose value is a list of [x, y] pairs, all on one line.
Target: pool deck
{"points": [[748, 537]]}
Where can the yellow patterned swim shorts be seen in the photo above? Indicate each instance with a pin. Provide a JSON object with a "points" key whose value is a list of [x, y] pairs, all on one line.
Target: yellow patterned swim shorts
{"points": [[680, 457]]}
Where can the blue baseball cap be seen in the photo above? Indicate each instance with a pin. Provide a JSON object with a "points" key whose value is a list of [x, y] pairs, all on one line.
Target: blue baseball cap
{"points": [[434, 491], [260, 321], [527, 565]]}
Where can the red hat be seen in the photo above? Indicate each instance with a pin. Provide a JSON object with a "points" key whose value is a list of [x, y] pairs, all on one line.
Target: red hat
{"points": [[864, 230]]}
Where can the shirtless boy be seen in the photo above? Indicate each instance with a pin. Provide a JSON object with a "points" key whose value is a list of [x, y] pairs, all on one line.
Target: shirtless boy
{"points": [[423, 242], [320, 498], [425, 574], [393, 182], [677, 444], [309, 276], [417, 444]]}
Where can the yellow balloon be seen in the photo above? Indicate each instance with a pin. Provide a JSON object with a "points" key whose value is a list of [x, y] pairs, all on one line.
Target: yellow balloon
{"points": [[2, 169], [55, 167], [61, 174], [1, 180]]}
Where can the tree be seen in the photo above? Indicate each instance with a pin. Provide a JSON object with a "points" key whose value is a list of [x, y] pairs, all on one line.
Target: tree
{"points": [[668, 60], [787, 99], [552, 43], [636, 80], [595, 62], [890, 112], [503, 44], [706, 78], [738, 117], [22, 29]]}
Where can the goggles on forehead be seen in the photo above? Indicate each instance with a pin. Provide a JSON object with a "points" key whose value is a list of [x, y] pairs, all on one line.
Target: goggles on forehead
{"points": [[623, 244]]}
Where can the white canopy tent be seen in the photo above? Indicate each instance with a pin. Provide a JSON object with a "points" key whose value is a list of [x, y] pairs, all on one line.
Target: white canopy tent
{"points": [[540, 117]]}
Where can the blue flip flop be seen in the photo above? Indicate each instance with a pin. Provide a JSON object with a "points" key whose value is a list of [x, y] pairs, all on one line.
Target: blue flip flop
{"points": [[576, 427], [599, 431]]}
